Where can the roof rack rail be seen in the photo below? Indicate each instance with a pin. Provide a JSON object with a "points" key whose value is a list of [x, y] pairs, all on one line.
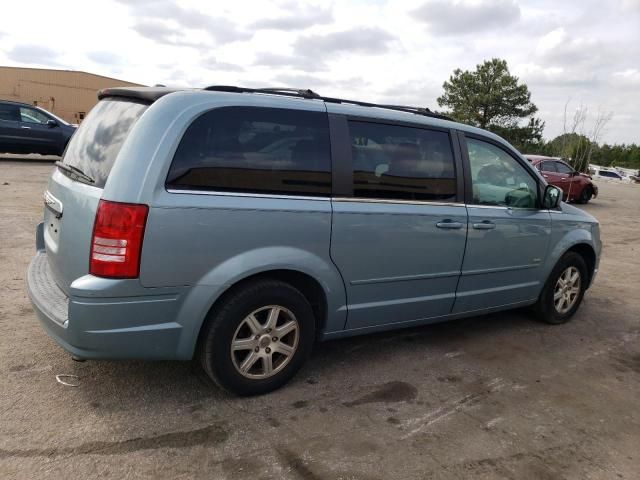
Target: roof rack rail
{"points": [[289, 92], [310, 94]]}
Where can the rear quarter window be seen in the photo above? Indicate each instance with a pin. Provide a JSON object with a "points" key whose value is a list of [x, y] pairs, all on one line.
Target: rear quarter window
{"points": [[93, 148], [255, 150], [9, 113]]}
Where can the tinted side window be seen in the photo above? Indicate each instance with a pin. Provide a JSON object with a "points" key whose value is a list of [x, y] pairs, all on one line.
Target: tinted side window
{"points": [[9, 112], [252, 149], [498, 179], [562, 168], [405, 163], [606, 173], [549, 167], [30, 115]]}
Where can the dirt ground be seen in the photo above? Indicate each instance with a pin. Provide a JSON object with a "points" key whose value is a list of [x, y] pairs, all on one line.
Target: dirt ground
{"points": [[490, 397]]}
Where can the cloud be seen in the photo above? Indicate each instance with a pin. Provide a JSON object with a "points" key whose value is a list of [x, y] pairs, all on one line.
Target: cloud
{"points": [[300, 80], [445, 17], [104, 57], [35, 54], [629, 77], [211, 62], [169, 23], [160, 32], [366, 40], [417, 92], [310, 52], [545, 76], [631, 5], [297, 18], [558, 48], [296, 62], [304, 80]]}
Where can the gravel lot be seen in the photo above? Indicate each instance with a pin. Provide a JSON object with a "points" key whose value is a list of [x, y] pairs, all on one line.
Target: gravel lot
{"points": [[489, 397]]}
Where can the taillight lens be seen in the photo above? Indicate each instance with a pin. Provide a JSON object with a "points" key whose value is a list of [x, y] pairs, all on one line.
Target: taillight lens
{"points": [[116, 243]]}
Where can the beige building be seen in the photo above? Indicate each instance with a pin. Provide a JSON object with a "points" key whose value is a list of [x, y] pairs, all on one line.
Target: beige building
{"points": [[67, 93]]}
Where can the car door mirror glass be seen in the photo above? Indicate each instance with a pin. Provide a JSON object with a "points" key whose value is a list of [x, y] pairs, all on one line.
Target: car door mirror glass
{"points": [[52, 123], [552, 197]]}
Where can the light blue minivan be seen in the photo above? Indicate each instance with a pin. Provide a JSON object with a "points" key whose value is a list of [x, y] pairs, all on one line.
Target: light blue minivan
{"points": [[241, 225]]}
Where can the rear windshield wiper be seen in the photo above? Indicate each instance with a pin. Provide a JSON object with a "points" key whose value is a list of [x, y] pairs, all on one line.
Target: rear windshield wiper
{"points": [[75, 171]]}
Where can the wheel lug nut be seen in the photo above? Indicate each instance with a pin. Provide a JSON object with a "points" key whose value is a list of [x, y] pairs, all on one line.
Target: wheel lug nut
{"points": [[268, 350], [275, 339], [257, 349], [268, 330], [257, 337]]}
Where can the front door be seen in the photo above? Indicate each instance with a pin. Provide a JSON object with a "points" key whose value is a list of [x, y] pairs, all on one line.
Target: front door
{"points": [[508, 234], [398, 239], [45, 139], [569, 181]]}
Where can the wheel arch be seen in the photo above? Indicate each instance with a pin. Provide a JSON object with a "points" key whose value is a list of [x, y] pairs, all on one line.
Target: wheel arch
{"points": [[587, 252], [309, 286], [580, 240], [317, 279]]}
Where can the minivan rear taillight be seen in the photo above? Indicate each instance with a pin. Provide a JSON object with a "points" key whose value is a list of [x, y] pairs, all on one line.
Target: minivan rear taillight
{"points": [[116, 243]]}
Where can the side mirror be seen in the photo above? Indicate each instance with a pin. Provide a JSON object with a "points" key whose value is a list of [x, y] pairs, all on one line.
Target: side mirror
{"points": [[575, 173], [551, 198], [52, 123]]}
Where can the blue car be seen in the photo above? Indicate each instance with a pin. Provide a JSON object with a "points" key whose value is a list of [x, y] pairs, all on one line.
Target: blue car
{"points": [[239, 226], [28, 129]]}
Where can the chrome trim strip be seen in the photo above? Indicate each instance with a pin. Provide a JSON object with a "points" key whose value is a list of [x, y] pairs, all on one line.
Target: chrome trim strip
{"points": [[400, 301], [495, 207], [404, 278], [247, 195], [341, 199], [500, 207], [53, 204], [470, 293], [393, 201], [500, 269]]}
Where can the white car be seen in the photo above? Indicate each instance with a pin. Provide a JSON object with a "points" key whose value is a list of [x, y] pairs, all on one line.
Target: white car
{"points": [[609, 174]]}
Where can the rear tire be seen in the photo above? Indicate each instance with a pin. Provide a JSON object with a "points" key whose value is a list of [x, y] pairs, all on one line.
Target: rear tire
{"points": [[257, 339], [563, 291], [586, 195]]}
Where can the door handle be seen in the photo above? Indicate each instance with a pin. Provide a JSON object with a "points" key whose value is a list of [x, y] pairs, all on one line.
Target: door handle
{"points": [[449, 225], [25, 127], [484, 225]]}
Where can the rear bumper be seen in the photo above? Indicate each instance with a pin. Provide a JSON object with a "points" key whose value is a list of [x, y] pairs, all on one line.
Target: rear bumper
{"points": [[103, 326]]}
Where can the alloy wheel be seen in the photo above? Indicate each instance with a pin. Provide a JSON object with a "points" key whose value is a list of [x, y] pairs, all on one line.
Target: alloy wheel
{"points": [[265, 342], [567, 290]]}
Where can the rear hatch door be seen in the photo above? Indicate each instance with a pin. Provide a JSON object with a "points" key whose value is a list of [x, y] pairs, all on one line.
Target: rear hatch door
{"points": [[76, 186]]}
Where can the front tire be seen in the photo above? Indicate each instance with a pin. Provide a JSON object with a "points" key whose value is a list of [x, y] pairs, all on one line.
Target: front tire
{"points": [[586, 195], [257, 339], [563, 291]]}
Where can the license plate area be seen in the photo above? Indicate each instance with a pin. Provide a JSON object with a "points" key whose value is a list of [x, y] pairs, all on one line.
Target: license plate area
{"points": [[52, 221]]}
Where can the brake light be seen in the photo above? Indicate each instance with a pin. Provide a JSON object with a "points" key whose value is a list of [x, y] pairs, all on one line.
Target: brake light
{"points": [[116, 242]]}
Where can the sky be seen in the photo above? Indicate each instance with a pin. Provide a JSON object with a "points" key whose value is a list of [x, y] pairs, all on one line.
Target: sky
{"points": [[570, 53]]}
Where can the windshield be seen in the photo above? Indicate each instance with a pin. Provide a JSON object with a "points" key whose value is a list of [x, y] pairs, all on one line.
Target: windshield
{"points": [[95, 145]]}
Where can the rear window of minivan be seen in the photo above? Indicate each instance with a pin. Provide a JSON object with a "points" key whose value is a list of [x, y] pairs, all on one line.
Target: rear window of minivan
{"points": [[95, 145], [255, 150]]}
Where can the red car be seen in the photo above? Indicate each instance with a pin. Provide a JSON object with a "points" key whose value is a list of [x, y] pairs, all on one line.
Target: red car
{"points": [[576, 186]]}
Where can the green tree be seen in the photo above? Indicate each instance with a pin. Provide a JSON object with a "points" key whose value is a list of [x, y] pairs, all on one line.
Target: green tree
{"points": [[490, 97], [571, 146]]}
